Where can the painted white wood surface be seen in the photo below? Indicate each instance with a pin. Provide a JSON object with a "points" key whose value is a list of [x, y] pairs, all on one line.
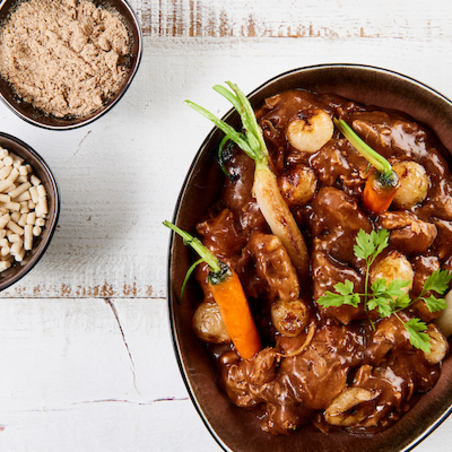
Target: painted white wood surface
{"points": [[86, 361]]}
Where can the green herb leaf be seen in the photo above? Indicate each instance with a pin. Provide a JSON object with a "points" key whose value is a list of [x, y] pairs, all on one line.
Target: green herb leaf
{"points": [[438, 281], [379, 287], [345, 288], [382, 305], [331, 299], [394, 288], [345, 296], [435, 304], [402, 302], [388, 298], [418, 337], [371, 245]]}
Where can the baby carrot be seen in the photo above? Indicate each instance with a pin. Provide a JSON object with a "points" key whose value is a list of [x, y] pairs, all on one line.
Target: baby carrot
{"points": [[379, 193], [381, 185], [236, 313], [229, 295]]}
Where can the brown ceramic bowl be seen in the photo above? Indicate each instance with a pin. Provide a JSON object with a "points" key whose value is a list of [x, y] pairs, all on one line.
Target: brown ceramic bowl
{"points": [[28, 113], [43, 172], [236, 429]]}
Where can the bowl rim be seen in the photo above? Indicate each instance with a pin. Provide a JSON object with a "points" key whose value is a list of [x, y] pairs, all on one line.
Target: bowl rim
{"points": [[413, 442], [54, 219], [122, 91]]}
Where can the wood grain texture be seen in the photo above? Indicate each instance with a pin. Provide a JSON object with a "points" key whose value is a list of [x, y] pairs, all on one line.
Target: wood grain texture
{"points": [[328, 19], [100, 375], [85, 350], [81, 375], [120, 177]]}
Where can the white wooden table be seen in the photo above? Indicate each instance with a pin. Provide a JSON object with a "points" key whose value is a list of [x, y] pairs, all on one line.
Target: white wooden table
{"points": [[86, 360]]}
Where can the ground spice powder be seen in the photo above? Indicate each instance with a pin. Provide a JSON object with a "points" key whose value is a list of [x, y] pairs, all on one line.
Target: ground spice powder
{"points": [[65, 57]]}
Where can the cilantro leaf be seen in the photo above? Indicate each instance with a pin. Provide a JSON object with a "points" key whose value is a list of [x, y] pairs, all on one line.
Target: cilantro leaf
{"points": [[370, 245], [381, 240], [364, 247], [438, 282], [379, 286], [435, 304], [382, 305], [331, 299], [345, 295], [388, 298], [418, 338], [402, 302], [345, 288], [394, 288]]}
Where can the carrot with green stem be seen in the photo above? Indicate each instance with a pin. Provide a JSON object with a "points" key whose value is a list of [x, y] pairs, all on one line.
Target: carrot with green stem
{"points": [[227, 291], [381, 185], [265, 187]]}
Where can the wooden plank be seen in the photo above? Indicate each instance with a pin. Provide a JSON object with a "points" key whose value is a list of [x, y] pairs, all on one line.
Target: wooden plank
{"points": [[95, 369], [100, 375], [120, 177], [328, 19], [61, 352], [91, 375], [108, 426]]}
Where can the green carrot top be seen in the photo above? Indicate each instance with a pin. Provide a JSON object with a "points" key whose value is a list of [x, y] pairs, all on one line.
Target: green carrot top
{"points": [[251, 140], [373, 157]]}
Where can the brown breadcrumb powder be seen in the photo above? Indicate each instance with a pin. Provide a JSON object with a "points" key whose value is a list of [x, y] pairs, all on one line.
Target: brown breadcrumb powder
{"points": [[65, 57]]}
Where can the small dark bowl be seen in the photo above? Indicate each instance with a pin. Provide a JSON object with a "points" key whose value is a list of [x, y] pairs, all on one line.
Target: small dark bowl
{"points": [[28, 113], [43, 172], [236, 429]]}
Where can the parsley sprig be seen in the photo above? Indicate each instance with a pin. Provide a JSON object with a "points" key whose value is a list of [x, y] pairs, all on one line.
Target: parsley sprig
{"points": [[388, 298]]}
